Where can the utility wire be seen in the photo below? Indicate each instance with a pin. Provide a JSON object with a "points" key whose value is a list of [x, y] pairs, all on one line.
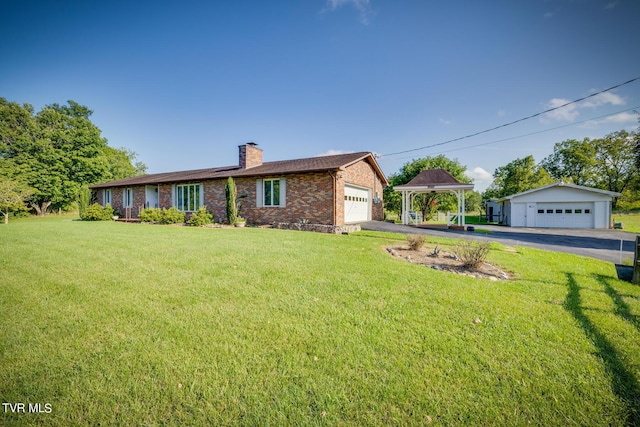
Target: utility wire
{"points": [[531, 133], [515, 121]]}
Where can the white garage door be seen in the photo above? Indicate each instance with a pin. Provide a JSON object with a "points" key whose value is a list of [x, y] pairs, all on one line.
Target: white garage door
{"points": [[565, 215], [356, 204]]}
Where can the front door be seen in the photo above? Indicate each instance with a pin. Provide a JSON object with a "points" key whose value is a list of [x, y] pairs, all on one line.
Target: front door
{"points": [[151, 194]]}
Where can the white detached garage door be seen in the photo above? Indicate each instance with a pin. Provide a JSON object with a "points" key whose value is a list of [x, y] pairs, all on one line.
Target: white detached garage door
{"points": [[565, 215], [356, 204]]}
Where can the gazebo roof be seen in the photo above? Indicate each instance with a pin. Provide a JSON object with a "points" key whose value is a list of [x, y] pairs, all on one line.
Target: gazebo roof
{"points": [[434, 179]]}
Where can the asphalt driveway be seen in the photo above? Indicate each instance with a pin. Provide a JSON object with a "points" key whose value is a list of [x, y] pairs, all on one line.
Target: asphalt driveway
{"points": [[599, 244]]}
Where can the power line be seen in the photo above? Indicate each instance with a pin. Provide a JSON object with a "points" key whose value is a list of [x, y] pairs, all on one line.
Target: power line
{"points": [[515, 121], [530, 134]]}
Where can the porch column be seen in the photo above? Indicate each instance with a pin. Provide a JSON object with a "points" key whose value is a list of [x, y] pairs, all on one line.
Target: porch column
{"points": [[464, 219]]}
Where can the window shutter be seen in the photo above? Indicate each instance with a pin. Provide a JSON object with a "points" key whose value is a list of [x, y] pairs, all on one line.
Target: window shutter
{"points": [[201, 195], [173, 195], [258, 193], [283, 192]]}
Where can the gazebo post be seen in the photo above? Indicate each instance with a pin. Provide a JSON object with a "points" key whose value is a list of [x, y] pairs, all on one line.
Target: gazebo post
{"points": [[464, 219]]}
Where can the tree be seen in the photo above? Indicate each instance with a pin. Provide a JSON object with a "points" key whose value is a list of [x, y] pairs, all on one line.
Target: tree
{"points": [[615, 162], [11, 198], [517, 176], [572, 161], [426, 203], [230, 194], [56, 151]]}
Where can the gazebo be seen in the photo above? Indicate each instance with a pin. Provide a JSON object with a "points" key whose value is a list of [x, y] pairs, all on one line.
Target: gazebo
{"points": [[432, 181]]}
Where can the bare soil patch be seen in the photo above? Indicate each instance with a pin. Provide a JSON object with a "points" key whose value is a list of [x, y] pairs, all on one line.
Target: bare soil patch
{"points": [[447, 261]]}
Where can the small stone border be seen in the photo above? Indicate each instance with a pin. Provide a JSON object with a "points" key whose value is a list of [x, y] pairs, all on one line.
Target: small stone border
{"points": [[447, 262], [318, 228]]}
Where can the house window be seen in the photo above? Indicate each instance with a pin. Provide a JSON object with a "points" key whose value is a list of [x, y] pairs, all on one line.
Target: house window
{"points": [[549, 210], [578, 211], [559, 211], [271, 192], [587, 211], [188, 197], [127, 197], [541, 211], [106, 197], [567, 211]]}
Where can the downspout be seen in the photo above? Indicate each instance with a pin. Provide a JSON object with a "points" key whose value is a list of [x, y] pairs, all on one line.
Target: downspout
{"points": [[335, 194]]}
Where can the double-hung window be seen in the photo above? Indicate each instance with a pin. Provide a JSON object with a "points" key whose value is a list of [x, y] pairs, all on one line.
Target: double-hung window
{"points": [[188, 197], [106, 197], [271, 192], [127, 197]]}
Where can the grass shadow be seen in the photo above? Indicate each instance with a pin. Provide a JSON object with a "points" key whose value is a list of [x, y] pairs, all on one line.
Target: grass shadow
{"points": [[624, 383], [621, 308]]}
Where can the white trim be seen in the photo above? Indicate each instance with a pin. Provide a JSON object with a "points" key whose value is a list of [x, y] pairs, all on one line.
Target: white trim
{"points": [[563, 184], [106, 192], [281, 195]]}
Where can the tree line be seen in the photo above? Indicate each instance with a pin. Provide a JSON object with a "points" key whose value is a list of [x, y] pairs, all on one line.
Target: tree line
{"points": [[47, 157], [610, 163]]}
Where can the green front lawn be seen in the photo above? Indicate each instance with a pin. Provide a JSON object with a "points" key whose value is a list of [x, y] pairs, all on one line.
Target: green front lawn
{"points": [[630, 221], [127, 324]]}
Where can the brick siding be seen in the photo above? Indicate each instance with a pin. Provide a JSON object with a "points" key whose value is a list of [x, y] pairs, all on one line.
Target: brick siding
{"points": [[309, 196]]}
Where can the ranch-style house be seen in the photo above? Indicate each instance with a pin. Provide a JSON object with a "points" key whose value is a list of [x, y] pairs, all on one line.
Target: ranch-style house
{"points": [[329, 190]]}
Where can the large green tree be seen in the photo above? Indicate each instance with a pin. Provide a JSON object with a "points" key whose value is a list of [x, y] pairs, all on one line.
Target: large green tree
{"points": [[56, 151], [12, 197], [572, 161], [517, 176], [427, 204], [615, 162]]}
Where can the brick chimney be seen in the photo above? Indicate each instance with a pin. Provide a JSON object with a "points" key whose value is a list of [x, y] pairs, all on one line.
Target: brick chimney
{"points": [[250, 155]]}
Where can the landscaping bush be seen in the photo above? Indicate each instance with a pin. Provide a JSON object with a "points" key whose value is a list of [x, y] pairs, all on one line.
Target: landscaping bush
{"points": [[150, 215], [172, 216], [200, 218], [416, 241], [95, 212], [472, 254], [84, 200]]}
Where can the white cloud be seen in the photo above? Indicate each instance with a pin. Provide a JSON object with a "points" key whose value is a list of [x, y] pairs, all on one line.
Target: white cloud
{"points": [[611, 4], [481, 178], [603, 99], [571, 112], [445, 121], [333, 152], [502, 113], [549, 15], [568, 113], [362, 6], [620, 118]]}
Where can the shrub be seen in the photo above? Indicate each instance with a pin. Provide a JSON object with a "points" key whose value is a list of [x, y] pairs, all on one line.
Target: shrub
{"points": [[150, 215], [200, 218], [172, 216], [472, 254], [84, 200], [416, 241], [95, 212], [230, 195]]}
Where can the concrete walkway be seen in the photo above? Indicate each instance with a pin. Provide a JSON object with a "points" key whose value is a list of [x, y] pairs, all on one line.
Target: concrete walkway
{"points": [[599, 244]]}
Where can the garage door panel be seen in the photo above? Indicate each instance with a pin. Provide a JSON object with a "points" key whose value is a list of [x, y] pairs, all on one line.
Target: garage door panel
{"points": [[564, 215], [356, 204]]}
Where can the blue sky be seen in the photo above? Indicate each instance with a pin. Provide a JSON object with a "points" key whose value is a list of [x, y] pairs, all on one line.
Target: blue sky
{"points": [[184, 83]]}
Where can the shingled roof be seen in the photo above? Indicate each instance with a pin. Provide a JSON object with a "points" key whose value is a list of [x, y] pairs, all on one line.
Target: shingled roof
{"points": [[311, 164], [434, 178]]}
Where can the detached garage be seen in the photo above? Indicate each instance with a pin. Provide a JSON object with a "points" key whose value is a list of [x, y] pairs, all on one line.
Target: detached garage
{"points": [[558, 205]]}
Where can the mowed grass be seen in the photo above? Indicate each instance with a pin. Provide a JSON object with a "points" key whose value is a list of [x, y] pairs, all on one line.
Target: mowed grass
{"points": [[630, 221], [125, 324]]}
